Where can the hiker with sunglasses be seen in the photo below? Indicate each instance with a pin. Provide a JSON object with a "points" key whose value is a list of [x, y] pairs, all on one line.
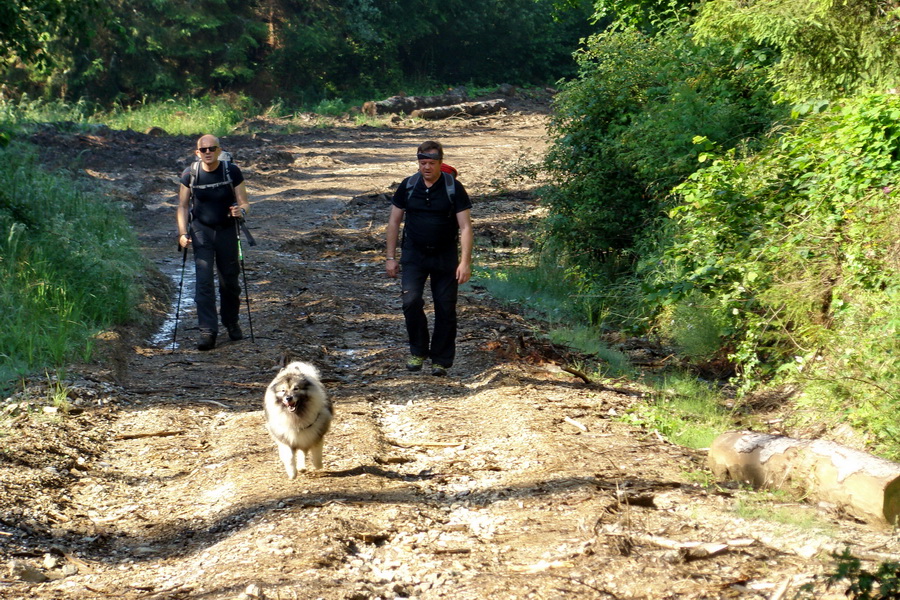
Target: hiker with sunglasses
{"points": [[435, 211], [211, 196]]}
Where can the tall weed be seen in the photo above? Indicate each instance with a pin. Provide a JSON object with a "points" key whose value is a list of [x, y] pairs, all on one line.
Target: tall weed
{"points": [[68, 266], [216, 115]]}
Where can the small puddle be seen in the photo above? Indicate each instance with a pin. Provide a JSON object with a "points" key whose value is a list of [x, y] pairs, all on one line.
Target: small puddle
{"points": [[186, 314]]}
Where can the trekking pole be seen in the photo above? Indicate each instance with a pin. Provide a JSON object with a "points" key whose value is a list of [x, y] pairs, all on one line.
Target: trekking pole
{"points": [[237, 231], [178, 305]]}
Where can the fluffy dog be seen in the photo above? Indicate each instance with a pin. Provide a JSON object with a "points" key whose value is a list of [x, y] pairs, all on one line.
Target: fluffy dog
{"points": [[298, 415]]}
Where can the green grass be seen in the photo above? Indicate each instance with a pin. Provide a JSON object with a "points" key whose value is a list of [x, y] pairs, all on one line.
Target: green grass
{"points": [[540, 289], [778, 507], [68, 266], [26, 111], [192, 116], [682, 409]]}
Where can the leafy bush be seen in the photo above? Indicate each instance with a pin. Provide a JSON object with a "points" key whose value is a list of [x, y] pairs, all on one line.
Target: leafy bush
{"points": [[623, 133], [822, 49], [797, 248], [883, 584]]}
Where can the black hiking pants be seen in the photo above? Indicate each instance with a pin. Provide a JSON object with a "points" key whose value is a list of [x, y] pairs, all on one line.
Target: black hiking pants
{"points": [[216, 250], [417, 267]]}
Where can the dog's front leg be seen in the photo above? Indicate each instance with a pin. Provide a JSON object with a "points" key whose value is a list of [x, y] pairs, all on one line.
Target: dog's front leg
{"points": [[288, 457]]}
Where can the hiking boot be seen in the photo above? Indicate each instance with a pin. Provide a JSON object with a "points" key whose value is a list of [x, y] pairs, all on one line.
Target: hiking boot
{"points": [[234, 332], [439, 371], [207, 341], [415, 363]]}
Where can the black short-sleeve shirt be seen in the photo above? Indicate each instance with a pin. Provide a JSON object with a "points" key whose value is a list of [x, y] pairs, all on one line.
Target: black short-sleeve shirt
{"points": [[430, 217], [211, 205]]}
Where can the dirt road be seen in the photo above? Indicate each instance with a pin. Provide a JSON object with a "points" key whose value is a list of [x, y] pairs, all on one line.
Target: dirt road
{"points": [[509, 479]]}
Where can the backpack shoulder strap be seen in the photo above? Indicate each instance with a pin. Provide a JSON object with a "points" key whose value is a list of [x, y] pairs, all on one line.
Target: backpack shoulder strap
{"points": [[195, 168], [225, 159], [411, 182], [450, 182]]}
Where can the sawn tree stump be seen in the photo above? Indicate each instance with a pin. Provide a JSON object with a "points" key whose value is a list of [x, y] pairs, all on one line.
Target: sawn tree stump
{"points": [[860, 484]]}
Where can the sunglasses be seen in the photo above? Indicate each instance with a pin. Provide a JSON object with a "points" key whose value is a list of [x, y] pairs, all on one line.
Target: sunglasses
{"points": [[208, 149]]}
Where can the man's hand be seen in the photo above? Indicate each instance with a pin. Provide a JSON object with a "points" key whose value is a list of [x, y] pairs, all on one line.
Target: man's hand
{"points": [[463, 273], [392, 268]]}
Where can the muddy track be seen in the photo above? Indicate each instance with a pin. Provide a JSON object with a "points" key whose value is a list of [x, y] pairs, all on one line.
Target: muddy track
{"points": [[509, 479]]}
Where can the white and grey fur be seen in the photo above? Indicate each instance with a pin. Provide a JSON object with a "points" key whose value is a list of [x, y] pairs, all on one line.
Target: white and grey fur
{"points": [[298, 415]]}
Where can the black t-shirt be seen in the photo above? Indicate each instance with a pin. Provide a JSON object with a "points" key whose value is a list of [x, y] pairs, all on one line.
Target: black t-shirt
{"points": [[430, 219], [210, 205]]}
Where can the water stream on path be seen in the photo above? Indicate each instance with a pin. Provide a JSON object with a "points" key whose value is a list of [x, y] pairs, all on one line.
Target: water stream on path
{"points": [[179, 315]]}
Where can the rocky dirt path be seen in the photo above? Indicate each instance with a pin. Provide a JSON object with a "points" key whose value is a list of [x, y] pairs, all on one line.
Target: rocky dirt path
{"points": [[509, 479]]}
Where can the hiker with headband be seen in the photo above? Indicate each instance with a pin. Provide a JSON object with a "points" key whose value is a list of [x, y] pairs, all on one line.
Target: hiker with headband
{"points": [[211, 197], [437, 243]]}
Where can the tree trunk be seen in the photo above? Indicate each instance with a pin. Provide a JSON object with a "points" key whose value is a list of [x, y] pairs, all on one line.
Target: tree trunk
{"points": [[467, 108], [407, 104], [860, 484]]}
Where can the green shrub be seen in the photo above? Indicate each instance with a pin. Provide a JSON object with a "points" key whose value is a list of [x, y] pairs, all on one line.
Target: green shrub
{"points": [[797, 247], [824, 49], [695, 326], [883, 584], [623, 133]]}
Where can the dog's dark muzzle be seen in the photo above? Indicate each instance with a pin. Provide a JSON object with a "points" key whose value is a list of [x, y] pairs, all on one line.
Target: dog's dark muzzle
{"points": [[297, 399], [293, 401]]}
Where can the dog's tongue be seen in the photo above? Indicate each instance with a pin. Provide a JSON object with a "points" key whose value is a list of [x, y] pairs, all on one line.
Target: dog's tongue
{"points": [[291, 407]]}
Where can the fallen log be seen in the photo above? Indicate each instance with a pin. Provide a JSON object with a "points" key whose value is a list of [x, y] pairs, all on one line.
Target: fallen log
{"points": [[406, 104], [470, 109], [862, 485]]}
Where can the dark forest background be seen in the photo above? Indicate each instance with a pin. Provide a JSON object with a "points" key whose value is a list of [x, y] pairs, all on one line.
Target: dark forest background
{"points": [[295, 50]]}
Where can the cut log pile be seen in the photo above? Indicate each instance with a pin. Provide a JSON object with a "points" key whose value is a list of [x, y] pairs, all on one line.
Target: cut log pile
{"points": [[857, 483], [396, 105], [470, 109], [453, 103]]}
